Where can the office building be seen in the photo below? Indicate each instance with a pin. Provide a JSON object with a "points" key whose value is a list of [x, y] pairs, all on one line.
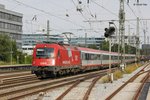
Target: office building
{"points": [[11, 24]]}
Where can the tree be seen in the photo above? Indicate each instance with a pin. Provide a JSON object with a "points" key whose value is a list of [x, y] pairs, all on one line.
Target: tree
{"points": [[5, 44], [93, 46], [105, 46], [114, 48]]}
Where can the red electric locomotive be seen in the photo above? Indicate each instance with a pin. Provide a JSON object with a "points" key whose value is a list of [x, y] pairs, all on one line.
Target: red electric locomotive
{"points": [[58, 59], [55, 59]]}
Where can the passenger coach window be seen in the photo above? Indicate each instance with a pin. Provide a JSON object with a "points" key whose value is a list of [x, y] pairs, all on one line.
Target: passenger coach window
{"points": [[87, 56], [105, 57], [83, 56], [44, 52]]}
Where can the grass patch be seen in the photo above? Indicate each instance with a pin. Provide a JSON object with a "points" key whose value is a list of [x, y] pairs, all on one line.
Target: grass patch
{"points": [[2, 63], [117, 74], [104, 79], [130, 68]]}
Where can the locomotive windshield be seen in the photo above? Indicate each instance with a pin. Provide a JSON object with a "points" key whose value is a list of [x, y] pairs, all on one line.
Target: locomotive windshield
{"points": [[44, 52]]}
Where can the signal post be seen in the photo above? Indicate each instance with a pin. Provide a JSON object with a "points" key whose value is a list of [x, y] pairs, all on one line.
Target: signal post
{"points": [[108, 34]]}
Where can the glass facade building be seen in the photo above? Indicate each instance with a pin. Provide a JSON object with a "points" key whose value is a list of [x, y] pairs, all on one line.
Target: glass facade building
{"points": [[30, 40]]}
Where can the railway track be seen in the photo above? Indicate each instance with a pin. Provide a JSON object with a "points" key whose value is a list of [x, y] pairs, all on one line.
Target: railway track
{"points": [[13, 78], [87, 92], [14, 74], [30, 89], [16, 79], [132, 89]]}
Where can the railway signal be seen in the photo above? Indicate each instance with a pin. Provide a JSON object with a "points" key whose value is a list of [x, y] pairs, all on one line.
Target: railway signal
{"points": [[109, 32]]}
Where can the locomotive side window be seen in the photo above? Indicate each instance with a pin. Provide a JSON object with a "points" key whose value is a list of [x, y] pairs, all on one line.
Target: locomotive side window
{"points": [[44, 52]]}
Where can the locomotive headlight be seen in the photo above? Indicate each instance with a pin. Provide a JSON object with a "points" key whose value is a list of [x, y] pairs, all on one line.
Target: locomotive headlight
{"points": [[53, 62]]}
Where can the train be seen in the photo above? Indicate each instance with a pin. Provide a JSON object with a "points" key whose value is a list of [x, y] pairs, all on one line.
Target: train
{"points": [[56, 59]]}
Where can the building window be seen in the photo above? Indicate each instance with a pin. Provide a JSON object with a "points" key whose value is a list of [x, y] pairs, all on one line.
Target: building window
{"points": [[10, 17]]}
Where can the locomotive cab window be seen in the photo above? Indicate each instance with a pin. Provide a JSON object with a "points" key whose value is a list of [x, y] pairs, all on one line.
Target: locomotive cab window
{"points": [[44, 52]]}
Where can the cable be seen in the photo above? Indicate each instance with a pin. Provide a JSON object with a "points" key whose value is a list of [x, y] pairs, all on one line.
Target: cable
{"points": [[132, 11], [134, 14], [48, 13], [81, 12], [104, 8]]}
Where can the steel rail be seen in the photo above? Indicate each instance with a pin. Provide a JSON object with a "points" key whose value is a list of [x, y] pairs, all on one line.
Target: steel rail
{"points": [[78, 82], [32, 89], [17, 80], [138, 92], [75, 84], [130, 80], [19, 84], [14, 74], [68, 90], [86, 96]]}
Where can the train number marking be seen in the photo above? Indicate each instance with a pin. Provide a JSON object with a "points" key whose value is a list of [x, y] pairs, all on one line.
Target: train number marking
{"points": [[66, 62]]}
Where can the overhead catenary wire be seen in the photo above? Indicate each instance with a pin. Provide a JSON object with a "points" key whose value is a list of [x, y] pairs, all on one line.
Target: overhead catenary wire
{"points": [[135, 14], [48, 13], [29, 22], [81, 12], [104, 8], [109, 11]]}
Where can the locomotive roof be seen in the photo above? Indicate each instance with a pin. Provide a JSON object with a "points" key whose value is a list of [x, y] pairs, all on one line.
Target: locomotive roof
{"points": [[65, 46], [82, 49], [89, 50]]}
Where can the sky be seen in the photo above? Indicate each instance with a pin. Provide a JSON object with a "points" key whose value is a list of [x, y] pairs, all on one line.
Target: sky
{"points": [[64, 16]]}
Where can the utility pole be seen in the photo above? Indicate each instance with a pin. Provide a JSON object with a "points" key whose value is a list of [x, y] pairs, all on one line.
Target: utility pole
{"points": [[110, 72], [129, 39], [148, 40], [144, 36], [144, 31], [122, 31], [144, 51], [48, 30], [137, 39], [85, 39]]}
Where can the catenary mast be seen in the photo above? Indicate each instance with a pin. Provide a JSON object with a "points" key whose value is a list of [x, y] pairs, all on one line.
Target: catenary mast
{"points": [[122, 29]]}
